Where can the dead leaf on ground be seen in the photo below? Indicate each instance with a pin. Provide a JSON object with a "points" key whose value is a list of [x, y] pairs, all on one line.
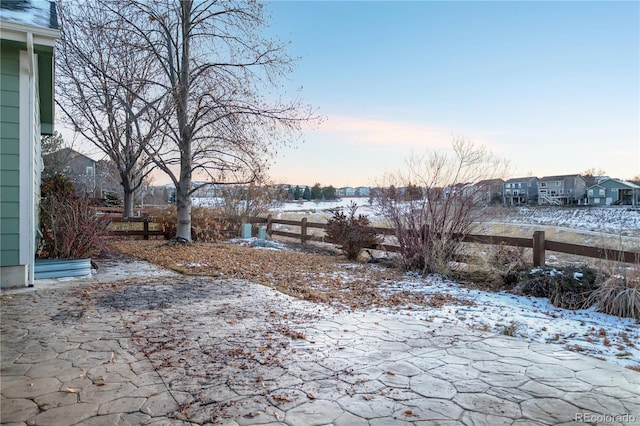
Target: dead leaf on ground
{"points": [[320, 278]]}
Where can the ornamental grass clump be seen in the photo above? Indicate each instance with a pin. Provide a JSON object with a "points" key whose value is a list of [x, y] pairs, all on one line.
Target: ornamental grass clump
{"points": [[618, 293]]}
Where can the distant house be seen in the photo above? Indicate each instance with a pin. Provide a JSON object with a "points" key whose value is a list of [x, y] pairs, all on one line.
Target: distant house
{"points": [[28, 32], [488, 191], [346, 192], [613, 191], [79, 168], [560, 190], [362, 191], [519, 191], [456, 189]]}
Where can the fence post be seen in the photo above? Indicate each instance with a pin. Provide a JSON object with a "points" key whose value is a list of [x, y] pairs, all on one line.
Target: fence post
{"points": [[538, 249], [269, 225], [303, 230], [145, 228]]}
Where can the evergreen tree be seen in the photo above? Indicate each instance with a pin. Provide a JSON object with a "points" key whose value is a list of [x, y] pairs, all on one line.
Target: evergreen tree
{"points": [[316, 192], [329, 193], [306, 195], [297, 193]]}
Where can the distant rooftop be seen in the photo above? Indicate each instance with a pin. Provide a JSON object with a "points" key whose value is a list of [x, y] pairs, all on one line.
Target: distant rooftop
{"points": [[38, 13]]}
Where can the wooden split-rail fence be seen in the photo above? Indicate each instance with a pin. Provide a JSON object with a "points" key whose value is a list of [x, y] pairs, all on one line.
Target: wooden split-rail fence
{"points": [[538, 243]]}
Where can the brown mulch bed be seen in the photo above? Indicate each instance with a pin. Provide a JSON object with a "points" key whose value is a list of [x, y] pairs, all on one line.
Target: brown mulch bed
{"points": [[312, 276]]}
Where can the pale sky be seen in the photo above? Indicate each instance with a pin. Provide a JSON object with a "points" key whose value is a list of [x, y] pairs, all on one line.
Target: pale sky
{"points": [[553, 87]]}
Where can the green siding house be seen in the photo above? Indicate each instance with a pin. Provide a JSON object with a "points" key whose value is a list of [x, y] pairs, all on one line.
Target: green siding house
{"points": [[28, 31], [612, 192]]}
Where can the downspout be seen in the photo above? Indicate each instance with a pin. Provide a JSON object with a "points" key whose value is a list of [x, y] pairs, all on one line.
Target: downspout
{"points": [[30, 207]]}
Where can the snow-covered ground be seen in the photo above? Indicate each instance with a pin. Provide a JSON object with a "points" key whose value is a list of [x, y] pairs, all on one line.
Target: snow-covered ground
{"points": [[611, 338], [613, 220], [600, 219], [614, 339]]}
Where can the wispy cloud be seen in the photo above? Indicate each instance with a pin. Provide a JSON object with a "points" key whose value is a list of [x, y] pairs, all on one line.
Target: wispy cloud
{"points": [[387, 132], [416, 136]]}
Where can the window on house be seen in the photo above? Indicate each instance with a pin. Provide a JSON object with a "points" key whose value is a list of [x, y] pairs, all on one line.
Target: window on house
{"points": [[543, 184], [558, 184], [89, 171], [601, 192], [590, 192]]}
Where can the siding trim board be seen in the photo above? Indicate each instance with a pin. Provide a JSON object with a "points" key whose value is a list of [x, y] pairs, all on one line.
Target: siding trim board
{"points": [[29, 132]]}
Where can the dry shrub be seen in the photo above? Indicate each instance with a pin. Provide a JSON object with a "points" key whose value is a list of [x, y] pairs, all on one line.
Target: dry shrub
{"points": [[568, 288], [352, 232], [508, 262], [240, 201], [71, 228], [500, 269], [435, 201], [206, 225], [618, 292]]}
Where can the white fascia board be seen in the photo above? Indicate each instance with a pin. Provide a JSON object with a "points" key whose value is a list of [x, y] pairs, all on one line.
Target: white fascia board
{"points": [[18, 32]]}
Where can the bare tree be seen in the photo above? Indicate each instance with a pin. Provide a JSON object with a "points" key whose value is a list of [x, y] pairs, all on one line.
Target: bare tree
{"points": [[105, 92], [52, 163], [435, 201], [218, 73], [592, 175], [244, 201]]}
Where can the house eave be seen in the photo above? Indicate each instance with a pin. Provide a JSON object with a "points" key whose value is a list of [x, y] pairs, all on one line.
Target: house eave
{"points": [[15, 31]]}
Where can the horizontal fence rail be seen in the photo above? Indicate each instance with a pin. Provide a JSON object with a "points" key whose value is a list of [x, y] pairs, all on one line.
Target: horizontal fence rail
{"points": [[538, 242], [145, 232]]}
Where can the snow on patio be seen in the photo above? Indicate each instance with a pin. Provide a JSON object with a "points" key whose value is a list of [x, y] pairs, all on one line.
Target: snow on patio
{"points": [[608, 337]]}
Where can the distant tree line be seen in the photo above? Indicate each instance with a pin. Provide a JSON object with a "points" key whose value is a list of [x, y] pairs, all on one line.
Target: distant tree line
{"points": [[316, 192]]}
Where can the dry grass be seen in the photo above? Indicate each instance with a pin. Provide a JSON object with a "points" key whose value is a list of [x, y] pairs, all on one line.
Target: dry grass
{"points": [[619, 293]]}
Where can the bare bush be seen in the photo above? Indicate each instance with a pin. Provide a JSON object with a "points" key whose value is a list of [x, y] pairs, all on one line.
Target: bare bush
{"points": [[434, 202], [71, 228], [240, 201], [509, 262]]}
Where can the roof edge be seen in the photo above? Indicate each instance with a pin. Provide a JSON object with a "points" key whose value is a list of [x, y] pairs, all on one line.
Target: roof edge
{"points": [[16, 31]]}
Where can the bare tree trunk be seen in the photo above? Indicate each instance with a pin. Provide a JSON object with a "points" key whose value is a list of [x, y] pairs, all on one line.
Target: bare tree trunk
{"points": [[128, 204], [183, 190]]}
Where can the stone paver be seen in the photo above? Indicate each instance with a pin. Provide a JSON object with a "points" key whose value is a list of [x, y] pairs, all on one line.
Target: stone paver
{"points": [[176, 350]]}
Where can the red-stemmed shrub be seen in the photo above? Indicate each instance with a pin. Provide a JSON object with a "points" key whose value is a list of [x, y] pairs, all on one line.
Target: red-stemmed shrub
{"points": [[71, 228]]}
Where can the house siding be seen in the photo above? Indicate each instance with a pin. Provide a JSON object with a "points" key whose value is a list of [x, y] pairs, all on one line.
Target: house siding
{"points": [[9, 156], [559, 190], [26, 102], [613, 191]]}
